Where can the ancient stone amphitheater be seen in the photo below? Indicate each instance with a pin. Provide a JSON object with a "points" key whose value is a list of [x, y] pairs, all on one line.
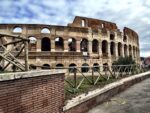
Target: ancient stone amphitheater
{"points": [[84, 42]]}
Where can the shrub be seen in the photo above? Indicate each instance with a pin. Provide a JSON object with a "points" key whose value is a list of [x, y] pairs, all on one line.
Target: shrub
{"points": [[124, 61]]}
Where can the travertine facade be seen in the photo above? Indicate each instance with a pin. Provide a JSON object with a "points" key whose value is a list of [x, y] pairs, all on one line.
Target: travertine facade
{"points": [[86, 41]]}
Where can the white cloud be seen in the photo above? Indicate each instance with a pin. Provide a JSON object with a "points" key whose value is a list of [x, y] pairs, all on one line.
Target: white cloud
{"points": [[145, 54], [134, 14]]}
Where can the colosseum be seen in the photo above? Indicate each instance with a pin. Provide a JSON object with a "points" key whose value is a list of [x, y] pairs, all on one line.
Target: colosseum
{"points": [[84, 42]]}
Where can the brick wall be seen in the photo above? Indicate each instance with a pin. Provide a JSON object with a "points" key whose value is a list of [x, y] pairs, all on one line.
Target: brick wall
{"points": [[38, 94]]}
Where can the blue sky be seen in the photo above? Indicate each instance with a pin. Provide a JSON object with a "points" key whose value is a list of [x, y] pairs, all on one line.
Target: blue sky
{"points": [[131, 13]]}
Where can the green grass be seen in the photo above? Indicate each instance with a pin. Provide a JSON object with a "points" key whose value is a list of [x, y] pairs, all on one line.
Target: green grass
{"points": [[85, 87]]}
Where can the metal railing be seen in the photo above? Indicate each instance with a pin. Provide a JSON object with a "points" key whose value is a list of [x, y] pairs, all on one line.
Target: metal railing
{"points": [[75, 77]]}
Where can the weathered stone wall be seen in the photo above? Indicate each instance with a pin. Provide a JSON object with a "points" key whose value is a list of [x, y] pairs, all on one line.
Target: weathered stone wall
{"points": [[123, 43]]}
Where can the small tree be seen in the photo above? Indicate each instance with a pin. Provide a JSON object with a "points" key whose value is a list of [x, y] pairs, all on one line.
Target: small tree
{"points": [[124, 61]]}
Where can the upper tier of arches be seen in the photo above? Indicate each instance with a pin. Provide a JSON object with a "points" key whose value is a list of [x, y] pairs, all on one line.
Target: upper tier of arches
{"points": [[81, 25]]}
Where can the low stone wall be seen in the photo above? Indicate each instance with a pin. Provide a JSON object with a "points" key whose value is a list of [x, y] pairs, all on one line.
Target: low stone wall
{"points": [[32, 92], [85, 102]]}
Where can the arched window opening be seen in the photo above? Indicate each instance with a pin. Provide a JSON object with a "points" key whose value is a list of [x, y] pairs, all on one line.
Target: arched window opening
{"points": [[96, 67], [125, 50], [72, 68], [83, 23], [72, 44], [46, 66], [32, 44], [112, 36], [85, 68], [95, 46], [17, 30], [45, 30], [112, 48], [1, 68], [125, 38], [45, 44], [102, 25], [59, 66], [119, 49], [84, 45], [59, 44], [105, 48], [130, 50], [134, 51], [32, 67]]}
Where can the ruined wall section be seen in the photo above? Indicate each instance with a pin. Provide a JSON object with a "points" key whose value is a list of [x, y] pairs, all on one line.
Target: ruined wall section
{"points": [[93, 23], [104, 36]]}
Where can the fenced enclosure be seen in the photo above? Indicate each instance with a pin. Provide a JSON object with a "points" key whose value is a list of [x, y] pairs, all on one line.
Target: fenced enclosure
{"points": [[79, 79]]}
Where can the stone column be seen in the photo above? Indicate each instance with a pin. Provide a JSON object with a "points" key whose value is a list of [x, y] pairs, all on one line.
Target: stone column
{"points": [[24, 31], [78, 45], [108, 34], [53, 45], [127, 50], [108, 50], [100, 48], [116, 50], [90, 46], [122, 51], [38, 45], [66, 46]]}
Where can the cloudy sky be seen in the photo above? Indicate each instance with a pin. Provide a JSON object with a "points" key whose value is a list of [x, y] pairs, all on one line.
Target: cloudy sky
{"points": [[131, 13]]}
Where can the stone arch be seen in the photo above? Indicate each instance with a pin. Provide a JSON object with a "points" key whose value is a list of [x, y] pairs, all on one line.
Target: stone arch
{"points": [[45, 44], [59, 66], [17, 30], [125, 38], [84, 45], [72, 67], [32, 44], [45, 30], [46, 66], [96, 67], [59, 44], [72, 44], [134, 55], [105, 48], [85, 68], [95, 46], [125, 50], [112, 48], [130, 50], [119, 49]]}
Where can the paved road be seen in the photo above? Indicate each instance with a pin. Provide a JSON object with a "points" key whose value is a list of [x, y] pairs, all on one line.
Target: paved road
{"points": [[134, 100]]}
